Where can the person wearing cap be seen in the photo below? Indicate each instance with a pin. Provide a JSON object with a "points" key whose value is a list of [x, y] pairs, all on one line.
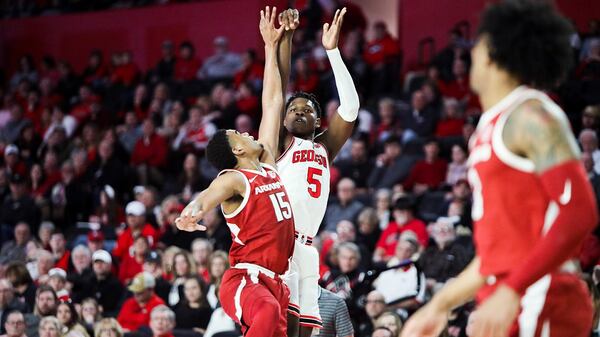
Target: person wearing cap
{"points": [[95, 240], [103, 286], [223, 64], [57, 279], [136, 310], [18, 206], [404, 220], [13, 162], [136, 226], [153, 265]]}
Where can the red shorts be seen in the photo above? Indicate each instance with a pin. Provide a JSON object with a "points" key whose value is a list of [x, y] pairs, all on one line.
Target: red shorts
{"points": [[257, 300], [557, 305]]}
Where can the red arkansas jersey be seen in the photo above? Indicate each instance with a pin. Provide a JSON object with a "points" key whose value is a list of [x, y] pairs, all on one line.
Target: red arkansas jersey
{"points": [[510, 210], [262, 227]]}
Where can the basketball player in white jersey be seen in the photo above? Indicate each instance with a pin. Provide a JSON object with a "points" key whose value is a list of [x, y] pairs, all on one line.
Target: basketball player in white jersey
{"points": [[303, 163]]}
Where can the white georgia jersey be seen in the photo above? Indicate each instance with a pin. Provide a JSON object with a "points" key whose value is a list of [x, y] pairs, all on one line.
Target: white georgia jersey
{"points": [[304, 171]]}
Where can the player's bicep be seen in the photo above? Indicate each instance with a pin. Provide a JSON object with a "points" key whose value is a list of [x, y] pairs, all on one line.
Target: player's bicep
{"points": [[223, 188], [534, 133], [336, 135]]}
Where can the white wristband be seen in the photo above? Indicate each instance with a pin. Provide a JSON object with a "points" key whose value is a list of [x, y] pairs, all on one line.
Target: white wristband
{"points": [[349, 103]]}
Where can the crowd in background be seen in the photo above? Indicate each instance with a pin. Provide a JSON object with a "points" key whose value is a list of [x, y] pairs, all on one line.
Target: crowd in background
{"points": [[97, 164]]}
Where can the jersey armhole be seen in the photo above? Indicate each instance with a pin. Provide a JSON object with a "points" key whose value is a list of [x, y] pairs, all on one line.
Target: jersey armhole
{"points": [[286, 150], [244, 200], [265, 165]]}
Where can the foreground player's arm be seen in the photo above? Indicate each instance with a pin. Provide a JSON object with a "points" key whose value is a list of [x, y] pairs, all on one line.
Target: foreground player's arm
{"points": [[534, 133], [341, 123], [290, 20], [223, 188], [430, 320], [272, 97]]}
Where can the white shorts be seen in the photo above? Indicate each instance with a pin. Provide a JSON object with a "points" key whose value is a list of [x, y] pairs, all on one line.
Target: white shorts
{"points": [[303, 281]]}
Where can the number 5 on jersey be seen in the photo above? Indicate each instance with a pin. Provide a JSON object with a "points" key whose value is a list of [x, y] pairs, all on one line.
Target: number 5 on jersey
{"points": [[314, 184], [282, 207]]}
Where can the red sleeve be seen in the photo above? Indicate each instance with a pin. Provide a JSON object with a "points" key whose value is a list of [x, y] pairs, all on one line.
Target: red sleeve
{"points": [[160, 156], [135, 154], [386, 232], [575, 215]]}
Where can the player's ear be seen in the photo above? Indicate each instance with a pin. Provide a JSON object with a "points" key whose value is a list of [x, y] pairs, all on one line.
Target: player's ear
{"points": [[238, 150], [317, 122]]}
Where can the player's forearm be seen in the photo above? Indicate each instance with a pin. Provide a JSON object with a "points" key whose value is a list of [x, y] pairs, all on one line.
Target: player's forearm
{"points": [[349, 102], [284, 59], [461, 289], [272, 101], [574, 208]]}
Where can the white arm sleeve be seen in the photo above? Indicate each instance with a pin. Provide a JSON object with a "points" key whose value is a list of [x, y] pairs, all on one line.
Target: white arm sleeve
{"points": [[349, 103]]}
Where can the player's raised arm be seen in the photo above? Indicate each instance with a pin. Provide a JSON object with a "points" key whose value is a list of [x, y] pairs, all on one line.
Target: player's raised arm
{"points": [[342, 123], [272, 96], [289, 19], [221, 189]]}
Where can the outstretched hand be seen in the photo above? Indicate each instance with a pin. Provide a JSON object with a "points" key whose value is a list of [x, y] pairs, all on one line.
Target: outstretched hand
{"points": [[289, 19], [189, 217], [331, 33], [269, 33]]}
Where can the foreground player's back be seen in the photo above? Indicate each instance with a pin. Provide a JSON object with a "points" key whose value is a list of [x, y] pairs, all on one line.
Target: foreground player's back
{"points": [[304, 169], [262, 227]]}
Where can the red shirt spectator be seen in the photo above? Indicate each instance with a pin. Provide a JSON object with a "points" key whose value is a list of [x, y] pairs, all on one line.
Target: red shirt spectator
{"points": [[382, 48], [151, 148], [251, 72], [83, 110], [453, 120], [126, 72], [428, 173], [186, 65], [136, 226], [135, 311]]}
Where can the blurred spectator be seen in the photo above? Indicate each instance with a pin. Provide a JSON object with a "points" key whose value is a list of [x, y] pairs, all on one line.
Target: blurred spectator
{"points": [[49, 326], [14, 324], [57, 279], [136, 310], [216, 232], [183, 268], [383, 207], [404, 221], [18, 206], [136, 226], [223, 64], [45, 305], [103, 286], [358, 166], [201, 251], [80, 275], [243, 123], [457, 169], [452, 121], [153, 265], [392, 166], [195, 133], [590, 117], [149, 155], [218, 263], [108, 327], [133, 261], [429, 173], [346, 207], [44, 261], [368, 229], [107, 168], [418, 122], [95, 73], [165, 68], [8, 304], [25, 72], [593, 177], [391, 321], [162, 321], [251, 71], [388, 120], [345, 232], [403, 288], [68, 317], [304, 78], [22, 282], [374, 307], [61, 254], [90, 314], [589, 143], [129, 132], [12, 129], [334, 314], [186, 65], [193, 311], [14, 250], [381, 55], [45, 232], [446, 259], [125, 72], [13, 162]]}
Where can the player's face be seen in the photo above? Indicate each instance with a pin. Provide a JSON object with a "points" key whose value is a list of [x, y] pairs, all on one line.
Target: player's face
{"points": [[243, 144], [481, 60], [300, 118]]}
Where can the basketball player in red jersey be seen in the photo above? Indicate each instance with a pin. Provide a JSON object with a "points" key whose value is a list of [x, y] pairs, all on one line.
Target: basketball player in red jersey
{"points": [[257, 209], [304, 158], [532, 203]]}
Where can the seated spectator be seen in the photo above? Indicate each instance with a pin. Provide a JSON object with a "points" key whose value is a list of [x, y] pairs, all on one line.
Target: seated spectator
{"points": [[61, 254], [383, 207], [8, 304], [24, 289], [404, 220], [222, 65], [14, 250], [12, 160], [95, 72], [446, 259], [218, 263], [304, 78], [251, 71], [380, 54], [216, 231], [194, 134], [104, 287], [12, 129], [125, 72], [358, 166], [49, 326], [193, 312], [419, 121], [589, 143], [388, 120], [46, 302], [392, 166], [403, 288], [44, 261], [14, 325], [136, 226], [25, 71], [186, 65], [136, 310], [391, 321], [129, 132], [429, 173], [18, 205], [149, 155], [90, 314], [153, 265], [81, 272], [183, 268], [95, 241], [590, 117], [243, 123], [334, 314], [368, 229], [162, 321], [59, 120], [132, 262], [68, 317], [201, 251], [164, 69], [374, 307], [88, 104], [452, 120], [457, 169], [108, 327], [346, 207], [57, 279], [247, 101]]}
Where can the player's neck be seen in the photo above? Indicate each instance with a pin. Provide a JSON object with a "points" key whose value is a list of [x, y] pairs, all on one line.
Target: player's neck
{"points": [[249, 164], [496, 90]]}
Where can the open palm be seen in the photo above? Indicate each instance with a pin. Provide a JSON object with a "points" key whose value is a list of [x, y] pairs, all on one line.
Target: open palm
{"points": [[331, 33], [269, 33]]}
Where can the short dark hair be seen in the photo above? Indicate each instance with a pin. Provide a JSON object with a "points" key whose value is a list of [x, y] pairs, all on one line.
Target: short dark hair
{"points": [[308, 96], [528, 39], [218, 151], [406, 203]]}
